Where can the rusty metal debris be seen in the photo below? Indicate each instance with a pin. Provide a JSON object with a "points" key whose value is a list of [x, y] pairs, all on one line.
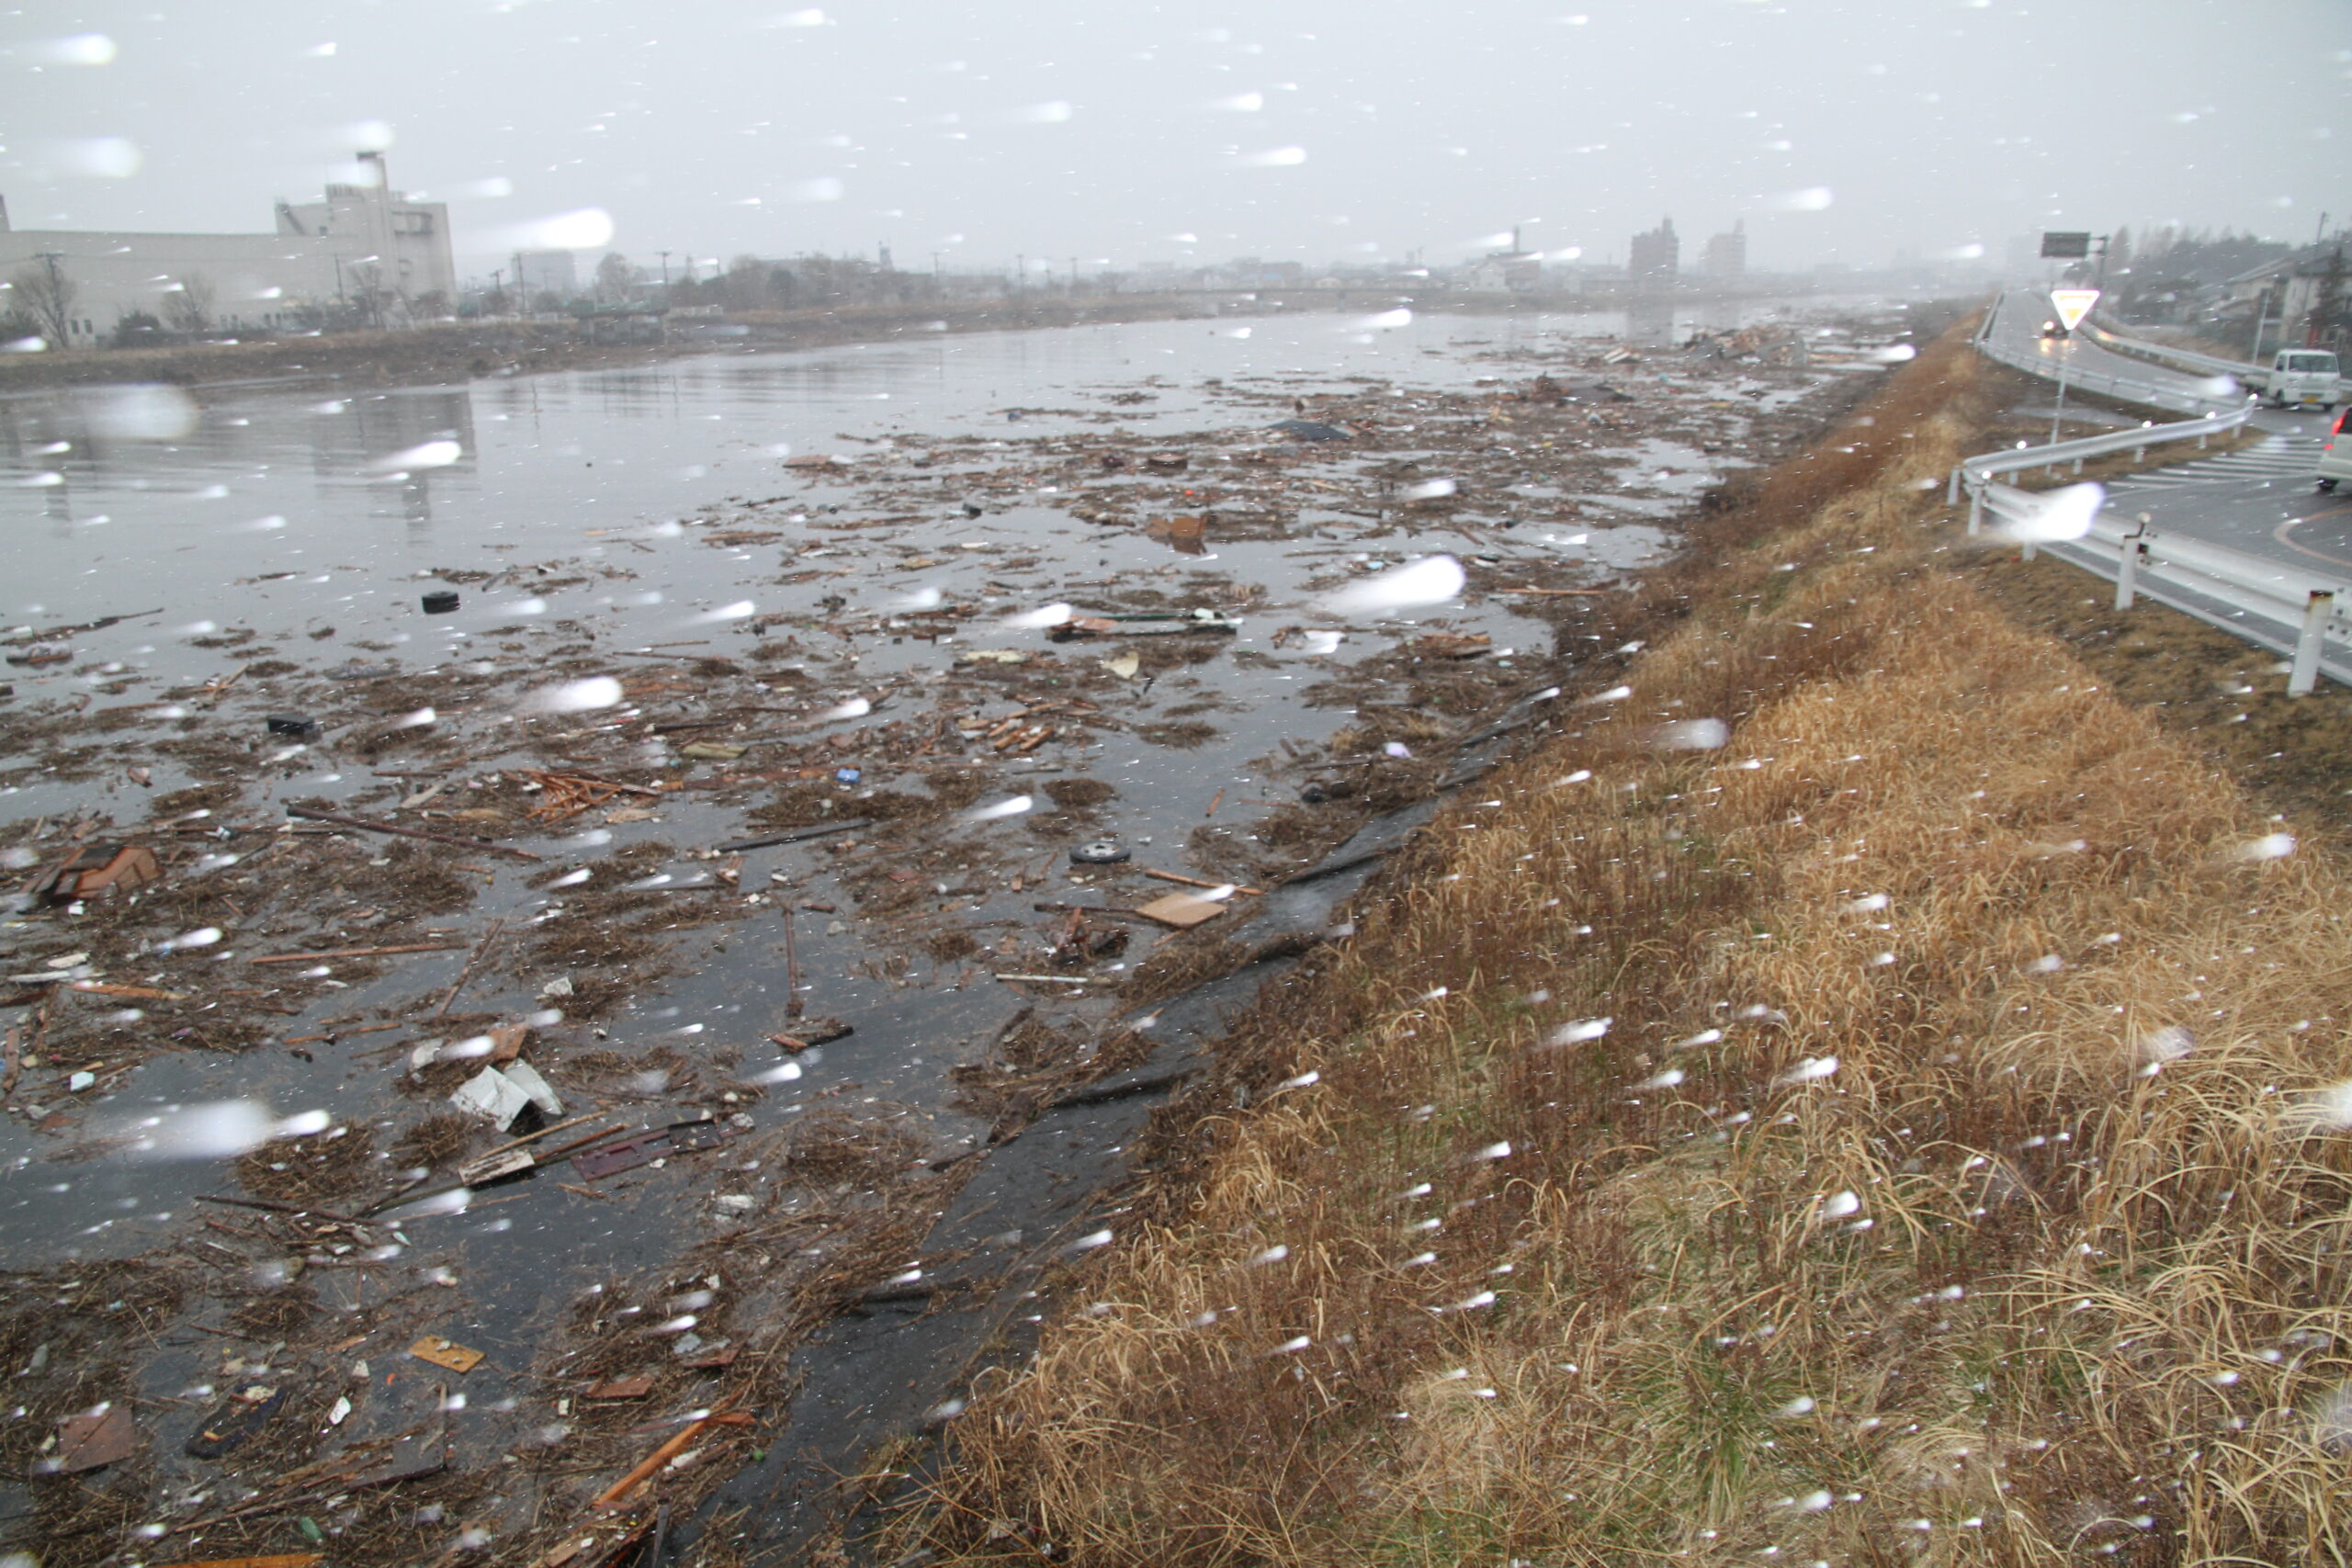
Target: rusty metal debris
{"points": [[93, 1439]]}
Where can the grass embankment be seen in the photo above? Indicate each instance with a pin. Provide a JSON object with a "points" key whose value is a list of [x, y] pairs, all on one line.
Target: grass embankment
{"points": [[1898, 1134]]}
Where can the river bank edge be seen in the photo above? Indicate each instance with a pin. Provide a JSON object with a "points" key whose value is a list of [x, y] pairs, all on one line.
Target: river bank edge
{"points": [[473, 351], [454, 353], [1708, 1248]]}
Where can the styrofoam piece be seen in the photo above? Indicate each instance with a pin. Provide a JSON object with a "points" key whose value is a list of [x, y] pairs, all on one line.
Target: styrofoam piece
{"points": [[524, 1077], [493, 1095]]}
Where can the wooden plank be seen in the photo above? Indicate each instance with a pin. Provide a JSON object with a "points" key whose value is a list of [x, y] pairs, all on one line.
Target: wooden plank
{"points": [[1180, 910], [446, 1353]]}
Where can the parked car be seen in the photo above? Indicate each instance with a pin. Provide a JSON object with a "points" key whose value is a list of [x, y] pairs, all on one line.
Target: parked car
{"points": [[2305, 377], [2335, 452]]}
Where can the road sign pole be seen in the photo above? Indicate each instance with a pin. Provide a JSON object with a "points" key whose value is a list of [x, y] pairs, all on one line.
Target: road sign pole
{"points": [[2065, 358]]}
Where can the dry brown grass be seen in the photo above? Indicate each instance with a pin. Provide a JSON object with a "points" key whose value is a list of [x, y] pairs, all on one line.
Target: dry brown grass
{"points": [[1990, 1291]]}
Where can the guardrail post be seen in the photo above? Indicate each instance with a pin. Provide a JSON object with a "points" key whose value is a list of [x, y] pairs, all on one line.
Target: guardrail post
{"points": [[1952, 490], [1976, 507], [2304, 673], [2127, 572]]}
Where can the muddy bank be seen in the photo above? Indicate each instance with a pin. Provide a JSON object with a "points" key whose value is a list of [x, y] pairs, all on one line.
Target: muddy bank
{"points": [[461, 352], [754, 848]]}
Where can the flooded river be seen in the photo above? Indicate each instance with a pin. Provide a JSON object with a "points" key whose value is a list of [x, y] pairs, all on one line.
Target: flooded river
{"points": [[762, 593]]}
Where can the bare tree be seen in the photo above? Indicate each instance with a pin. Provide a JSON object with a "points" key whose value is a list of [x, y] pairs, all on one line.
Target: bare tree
{"points": [[47, 295], [188, 308], [614, 277], [368, 296], [746, 284]]}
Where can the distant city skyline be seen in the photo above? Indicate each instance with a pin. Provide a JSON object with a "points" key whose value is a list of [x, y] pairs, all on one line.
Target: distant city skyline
{"points": [[1836, 132]]}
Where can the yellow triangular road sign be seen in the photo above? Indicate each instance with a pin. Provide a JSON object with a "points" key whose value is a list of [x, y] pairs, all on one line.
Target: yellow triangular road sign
{"points": [[2073, 304]]}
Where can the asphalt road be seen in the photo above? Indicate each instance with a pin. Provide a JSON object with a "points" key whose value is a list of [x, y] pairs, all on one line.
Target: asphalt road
{"points": [[2017, 328], [2261, 498]]}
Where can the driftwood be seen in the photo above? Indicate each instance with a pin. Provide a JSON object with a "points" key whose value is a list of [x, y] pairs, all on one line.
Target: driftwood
{"points": [[365, 826]]}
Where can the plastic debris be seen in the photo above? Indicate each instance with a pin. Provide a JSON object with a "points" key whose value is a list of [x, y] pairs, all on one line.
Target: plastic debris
{"points": [[233, 1421], [440, 602], [295, 725]]}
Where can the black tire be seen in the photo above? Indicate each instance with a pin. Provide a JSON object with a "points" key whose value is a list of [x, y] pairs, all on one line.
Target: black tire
{"points": [[2327, 487]]}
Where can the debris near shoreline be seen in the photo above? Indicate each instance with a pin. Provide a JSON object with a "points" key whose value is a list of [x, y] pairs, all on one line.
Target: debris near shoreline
{"points": [[679, 949], [1846, 991]]}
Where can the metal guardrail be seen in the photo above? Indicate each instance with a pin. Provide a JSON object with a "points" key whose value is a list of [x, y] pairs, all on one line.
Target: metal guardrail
{"points": [[2164, 354], [2304, 614], [1974, 474], [2290, 610], [2122, 387]]}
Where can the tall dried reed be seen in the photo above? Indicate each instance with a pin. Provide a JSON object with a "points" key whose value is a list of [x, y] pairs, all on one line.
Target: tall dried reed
{"points": [[1906, 1133]]}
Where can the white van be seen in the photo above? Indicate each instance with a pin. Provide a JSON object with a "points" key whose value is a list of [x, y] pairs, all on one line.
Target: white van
{"points": [[2303, 378], [2335, 452]]}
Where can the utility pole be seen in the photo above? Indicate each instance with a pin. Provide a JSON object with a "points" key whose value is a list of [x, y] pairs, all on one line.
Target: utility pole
{"points": [[665, 272]]}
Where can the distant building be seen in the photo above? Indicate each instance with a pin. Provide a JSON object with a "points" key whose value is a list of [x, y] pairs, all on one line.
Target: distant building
{"points": [[547, 272], [1725, 257], [2280, 297], [364, 251], [1655, 259], [1252, 272], [1514, 271]]}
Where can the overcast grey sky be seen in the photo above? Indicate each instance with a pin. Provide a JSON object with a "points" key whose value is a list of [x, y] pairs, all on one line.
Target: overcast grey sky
{"points": [[1841, 129]]}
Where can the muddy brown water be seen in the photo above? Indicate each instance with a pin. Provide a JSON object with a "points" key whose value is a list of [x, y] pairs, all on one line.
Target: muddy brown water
{"points": [[574, 511]]}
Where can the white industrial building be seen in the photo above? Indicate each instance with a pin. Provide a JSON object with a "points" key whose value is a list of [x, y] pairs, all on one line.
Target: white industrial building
{"points": [[364, 249]]}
